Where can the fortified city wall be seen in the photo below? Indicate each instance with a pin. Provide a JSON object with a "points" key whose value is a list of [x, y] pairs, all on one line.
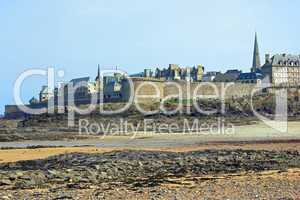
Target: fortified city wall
{"points": [[163, 89]]}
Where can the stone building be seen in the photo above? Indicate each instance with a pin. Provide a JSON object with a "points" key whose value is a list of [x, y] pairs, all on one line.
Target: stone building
{"points": [[175, 72], [282, 69], [228, 76], [148, 73], [80, 88], [112, 87], [83, 87], [210, 76], [45, 94]]}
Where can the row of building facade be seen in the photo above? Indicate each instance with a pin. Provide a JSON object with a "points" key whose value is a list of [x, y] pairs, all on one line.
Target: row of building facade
{"points": [[281, 70]]}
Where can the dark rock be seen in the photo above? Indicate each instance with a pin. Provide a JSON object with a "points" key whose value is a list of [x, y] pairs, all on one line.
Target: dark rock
{"points": [[139, 168]]}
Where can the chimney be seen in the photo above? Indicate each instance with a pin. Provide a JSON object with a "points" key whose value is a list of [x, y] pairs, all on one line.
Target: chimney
{"points": [[267, 58]]}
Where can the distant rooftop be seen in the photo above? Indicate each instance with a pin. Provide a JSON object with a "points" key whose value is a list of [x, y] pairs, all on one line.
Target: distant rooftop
{"points": [[233, 71], [78, 80], [250, 75], [284, 59]]}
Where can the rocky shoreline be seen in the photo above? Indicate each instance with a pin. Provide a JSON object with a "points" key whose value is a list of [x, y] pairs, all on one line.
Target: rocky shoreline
{"points": [[135, 170]]}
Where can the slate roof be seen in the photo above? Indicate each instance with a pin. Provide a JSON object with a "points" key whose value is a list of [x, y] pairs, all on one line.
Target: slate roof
{"points": [[250, 76], [33, 100], [141, 74], [284, 59], [78, 80], [44, 89], [233, 71]]}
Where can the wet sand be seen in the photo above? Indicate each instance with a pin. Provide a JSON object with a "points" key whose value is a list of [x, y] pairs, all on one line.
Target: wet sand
{"points": [[255, 132], [13, 155]]}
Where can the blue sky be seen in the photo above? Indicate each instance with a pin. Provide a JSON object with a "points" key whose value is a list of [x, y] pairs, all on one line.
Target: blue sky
{"points": [[76, 35]]}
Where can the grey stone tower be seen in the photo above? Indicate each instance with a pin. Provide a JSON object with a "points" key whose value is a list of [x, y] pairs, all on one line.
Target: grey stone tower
{"points": [[256, 59], [98, 85]]}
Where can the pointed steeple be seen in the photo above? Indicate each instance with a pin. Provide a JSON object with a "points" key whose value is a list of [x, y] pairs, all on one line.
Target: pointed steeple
{"points": [[98, 81], [98, 72], [256, 59]]}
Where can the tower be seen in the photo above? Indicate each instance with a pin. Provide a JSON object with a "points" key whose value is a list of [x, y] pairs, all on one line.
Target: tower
{"points": [[98, 85], [256, 60], [98, 79], [98, 74]]}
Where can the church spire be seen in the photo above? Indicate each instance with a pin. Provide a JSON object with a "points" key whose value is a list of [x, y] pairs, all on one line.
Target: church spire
{"points": [[98, 84], [256, 60], [98, 75]]}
